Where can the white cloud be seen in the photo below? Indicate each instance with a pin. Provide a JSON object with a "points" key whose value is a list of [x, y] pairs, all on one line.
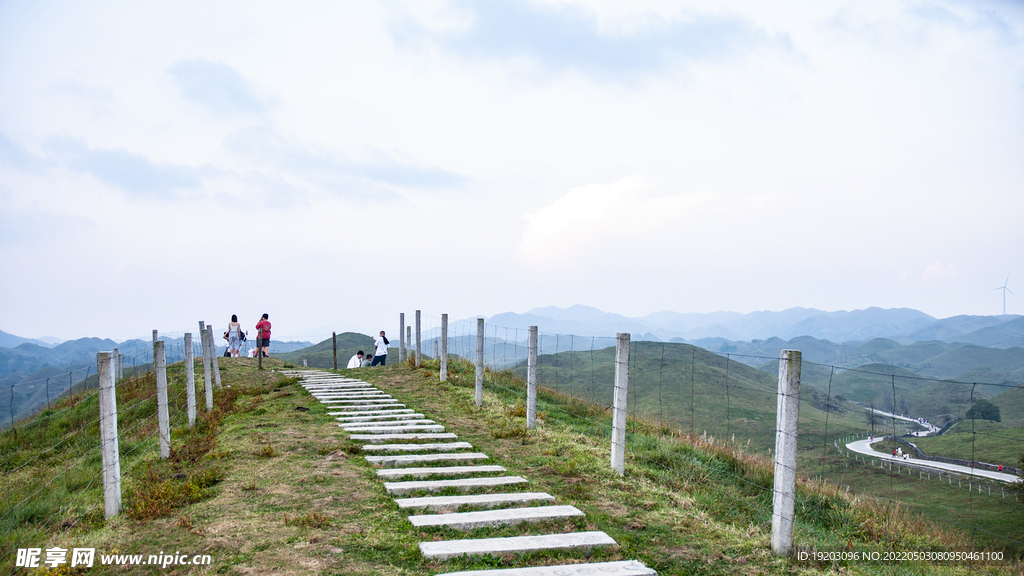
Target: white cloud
{"points": [[937, 271], [600, 221], [837, 145]]}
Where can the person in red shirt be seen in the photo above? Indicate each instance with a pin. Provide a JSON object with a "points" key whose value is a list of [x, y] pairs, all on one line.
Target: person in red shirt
{"points": [[264, 335]]}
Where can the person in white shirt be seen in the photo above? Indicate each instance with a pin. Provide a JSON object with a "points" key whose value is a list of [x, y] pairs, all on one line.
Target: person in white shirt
{"points": [[356, 360], [381, 353]]}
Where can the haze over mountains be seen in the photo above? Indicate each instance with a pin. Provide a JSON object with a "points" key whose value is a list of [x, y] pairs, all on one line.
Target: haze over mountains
{"points": [[902, 325]]}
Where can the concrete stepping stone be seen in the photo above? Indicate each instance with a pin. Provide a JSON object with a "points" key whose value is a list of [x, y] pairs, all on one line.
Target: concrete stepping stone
{"points": [[495, 546], [506, 517], [389, 429], [372, 412], [352, 396], [362, 401], [365, 406], [438, 471], [379, 417], [347, 390], [460, 484], [440, 447], [354, 426], [620, 568], [398, 459], [383, 438], [340, 387], [442, 503]]}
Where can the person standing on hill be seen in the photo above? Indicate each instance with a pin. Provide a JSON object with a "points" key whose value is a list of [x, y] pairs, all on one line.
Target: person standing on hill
{"points": [[263, 326], [381, 353], [234, 335]]}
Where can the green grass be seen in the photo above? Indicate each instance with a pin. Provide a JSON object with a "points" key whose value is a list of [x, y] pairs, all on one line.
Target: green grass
{"points": [[314, 506], [988, 442]]}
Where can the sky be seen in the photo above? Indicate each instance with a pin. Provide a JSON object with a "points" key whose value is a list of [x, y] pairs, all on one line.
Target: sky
{"points": [[336, 163]]}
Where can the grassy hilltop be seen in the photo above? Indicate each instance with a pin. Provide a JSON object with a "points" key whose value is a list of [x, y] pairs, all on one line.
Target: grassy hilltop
{"points": [[268, 484]]}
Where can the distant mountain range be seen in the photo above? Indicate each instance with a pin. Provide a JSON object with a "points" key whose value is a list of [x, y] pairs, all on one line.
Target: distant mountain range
{"points": [[902, 325], [33, 373], [10, 341]]}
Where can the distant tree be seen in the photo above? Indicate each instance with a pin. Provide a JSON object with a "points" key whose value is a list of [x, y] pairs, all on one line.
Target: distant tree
{"points": [[903, 405], [1020, 474], [984, 410], [872, 417]]}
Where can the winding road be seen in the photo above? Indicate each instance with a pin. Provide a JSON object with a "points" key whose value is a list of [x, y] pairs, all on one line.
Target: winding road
{"points": [[864, 447]]}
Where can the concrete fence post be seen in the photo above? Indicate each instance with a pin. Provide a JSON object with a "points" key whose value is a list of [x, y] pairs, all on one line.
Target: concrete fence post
{"points": [[620, 398], [531, 378], [162, 413], [784, 493], [419, 341], [334, 345], [479, 361], [116, 358], [213, 355], [207, 377], [444, 348], [408, 341], [108, 435], [156, 335], [190, 380], [401, 336], [437, 353]]}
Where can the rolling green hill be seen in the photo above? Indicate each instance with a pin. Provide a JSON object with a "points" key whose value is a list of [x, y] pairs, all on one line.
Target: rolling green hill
{"points": [[321, 355], [967, 358], [697, 391], [1011, 406], [267, 483]]}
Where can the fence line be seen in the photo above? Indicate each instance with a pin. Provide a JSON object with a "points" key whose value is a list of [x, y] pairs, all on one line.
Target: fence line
{"points": [[122, 422], [683, 387]]}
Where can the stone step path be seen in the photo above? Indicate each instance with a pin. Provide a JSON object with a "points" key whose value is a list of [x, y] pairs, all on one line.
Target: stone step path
{"points": [[421, 472], [388, 429], [494, 546], [441, 447], [621, 568], [460, 484], [470, 520], [406, 459], [367, 407], [382, 438], [372, 412], [383, 424], [447, 503], [379, 417]]}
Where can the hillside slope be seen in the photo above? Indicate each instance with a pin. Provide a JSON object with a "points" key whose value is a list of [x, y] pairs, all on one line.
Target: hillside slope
{"points": [[286, 493]]}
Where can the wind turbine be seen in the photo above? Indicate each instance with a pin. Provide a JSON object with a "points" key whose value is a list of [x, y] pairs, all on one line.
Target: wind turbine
{"points": [[1005, 290]]}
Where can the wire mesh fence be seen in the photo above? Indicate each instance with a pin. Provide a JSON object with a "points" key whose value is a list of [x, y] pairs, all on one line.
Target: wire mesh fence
{"points": [[51, 463], [907, 445]]}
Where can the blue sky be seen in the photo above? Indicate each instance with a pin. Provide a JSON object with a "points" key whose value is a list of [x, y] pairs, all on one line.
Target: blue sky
{"points": [[334, 164]]}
